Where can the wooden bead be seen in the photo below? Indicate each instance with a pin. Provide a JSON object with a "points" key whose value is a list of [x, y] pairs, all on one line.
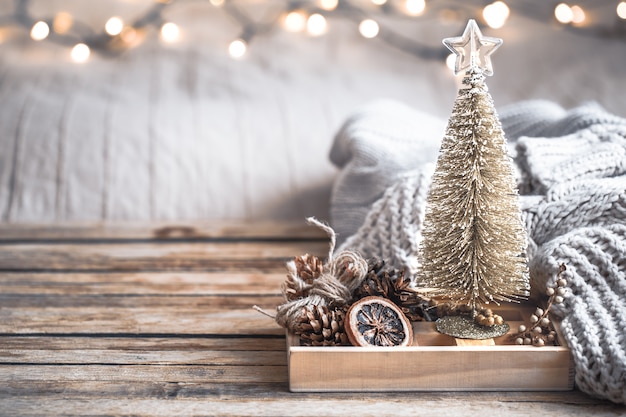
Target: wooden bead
{"points": [[550, 291]]}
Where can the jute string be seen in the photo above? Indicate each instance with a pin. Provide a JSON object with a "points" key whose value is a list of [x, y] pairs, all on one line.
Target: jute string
{"points": [[341, 275]]}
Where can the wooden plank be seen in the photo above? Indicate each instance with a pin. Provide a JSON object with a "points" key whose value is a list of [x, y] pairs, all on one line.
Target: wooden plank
{"points": [[112, 356], [138, 344], [24, 374], [207, 256], [172, 401], [137, 315], [230, 230], [146, 283], [268, 391]]}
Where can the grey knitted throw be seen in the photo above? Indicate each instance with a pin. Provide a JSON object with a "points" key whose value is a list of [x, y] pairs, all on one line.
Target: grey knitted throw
{"points": [[572, 181]]}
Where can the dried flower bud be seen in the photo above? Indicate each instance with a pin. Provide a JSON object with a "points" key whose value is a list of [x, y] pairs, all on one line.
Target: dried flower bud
{"points": [[561, 282], [549, 291], [539, 341], [534, 319], [561, 291], [545, 322], [528, 341], [551, 337], [488, 312], [537, 330], [539, 312], [519, 341], [521, 328], [498, 320], [558, 299]]}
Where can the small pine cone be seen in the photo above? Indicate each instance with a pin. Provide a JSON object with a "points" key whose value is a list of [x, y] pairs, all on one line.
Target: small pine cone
{"points": [[302, 271], [395, 286], [320, 326], [308, 267], [415, 306], [377, 282]]}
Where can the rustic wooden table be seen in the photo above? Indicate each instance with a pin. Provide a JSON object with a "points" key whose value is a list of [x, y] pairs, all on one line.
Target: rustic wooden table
{"points": [[158, 320]]}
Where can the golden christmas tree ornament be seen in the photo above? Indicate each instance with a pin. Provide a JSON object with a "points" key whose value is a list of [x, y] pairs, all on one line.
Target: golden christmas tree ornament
{"points": [[474, 242]]}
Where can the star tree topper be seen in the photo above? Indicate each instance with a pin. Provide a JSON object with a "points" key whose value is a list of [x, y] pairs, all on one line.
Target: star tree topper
{"points": [[473, 49]]}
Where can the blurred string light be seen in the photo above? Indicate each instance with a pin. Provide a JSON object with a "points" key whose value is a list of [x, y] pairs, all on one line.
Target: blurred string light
{"points": [[114, 26], [369, 28], [170, 32], [496, 14], [80, 53], [316, 24], [306, 16], [566, 14], [415, 7], [237, 48], [621, 10], [40, 31], [295, 21]]}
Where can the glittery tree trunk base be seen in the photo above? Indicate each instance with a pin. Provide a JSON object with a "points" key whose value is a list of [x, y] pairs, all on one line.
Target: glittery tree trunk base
{"points": [[466, 328]]}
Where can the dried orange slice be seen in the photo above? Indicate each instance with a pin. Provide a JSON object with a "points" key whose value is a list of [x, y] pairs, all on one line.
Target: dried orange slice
{"points": [[376, 321]]}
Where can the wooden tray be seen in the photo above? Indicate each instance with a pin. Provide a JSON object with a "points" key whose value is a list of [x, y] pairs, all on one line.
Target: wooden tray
{"points": [[437, 363]]}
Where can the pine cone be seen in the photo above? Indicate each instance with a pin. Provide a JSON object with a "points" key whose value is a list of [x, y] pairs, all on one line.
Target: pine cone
{"points": [[303, 270], [319, 326], [308, 267], [395, 286]]}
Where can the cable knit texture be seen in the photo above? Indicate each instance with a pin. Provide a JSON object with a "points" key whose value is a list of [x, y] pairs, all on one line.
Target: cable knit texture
{"points": [[571, 168]]}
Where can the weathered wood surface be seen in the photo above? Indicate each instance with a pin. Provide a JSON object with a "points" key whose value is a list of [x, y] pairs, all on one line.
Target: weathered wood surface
{"points": [[124, 321]]}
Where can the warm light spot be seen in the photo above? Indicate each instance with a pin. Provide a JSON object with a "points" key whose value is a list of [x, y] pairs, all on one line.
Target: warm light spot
{"points": [[114, 26], [578, 15], [40, 31], [80, 53], [448, 16], [496, 14], [62, 22], [295, 21], [217, 3], [316, 24], [563, 13], [237, 48], [329, 4], [129, 35], [170, 32], [379, 2], [369, 28], [451, 61], [621, 10], [415, 7]]}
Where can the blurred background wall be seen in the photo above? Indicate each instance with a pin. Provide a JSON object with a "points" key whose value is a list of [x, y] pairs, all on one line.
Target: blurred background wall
{"points": [[204, 110]]}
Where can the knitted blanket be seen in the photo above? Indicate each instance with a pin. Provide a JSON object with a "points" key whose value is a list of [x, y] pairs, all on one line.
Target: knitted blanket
{"points": [[572, 181]]}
